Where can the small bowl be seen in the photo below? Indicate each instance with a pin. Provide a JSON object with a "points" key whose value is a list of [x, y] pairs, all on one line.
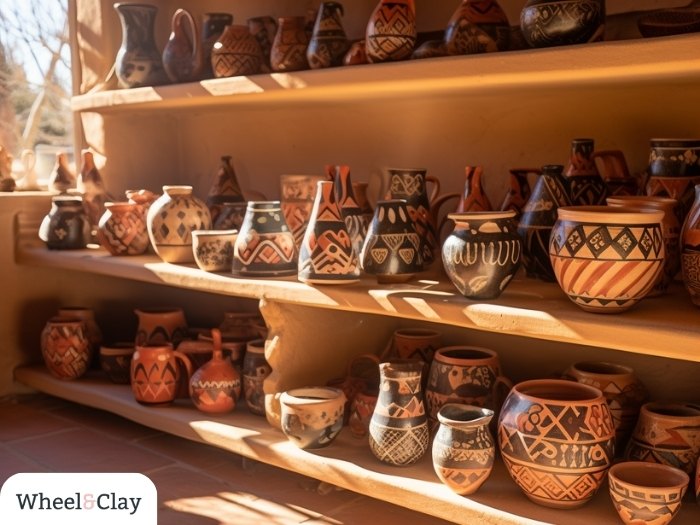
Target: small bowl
{"points": [[312, 417], [646, 493], [213, 249], [115, 361], [668, 22]]}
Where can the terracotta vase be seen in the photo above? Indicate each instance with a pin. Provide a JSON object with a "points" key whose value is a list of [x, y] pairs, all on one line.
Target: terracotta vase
{"points": [[65, 347], [538, 218], [392, 248], [557, 441], [182, 54], [690, 250], [155, 373], [356, 54], [160, 326], [115, 361], [328, 42], [264, 29], [361, 410], [353, 216], [463, 449], [255, 370], [66, 226], [171, 220], [667, 433], [327, 255], [289, 46], [61, 178], [519, 191], [216, 386], [265, 245], [547, 23], [391, 31], [623, 391], [312, 417], [225, 188], [213, 25], [122, 229], [473, 197], [477, 26], [236, 52], [416, 343], [138, 62], [398, 429], [615, 173], [607, 259], [586, 186], [482, 254], [92, 188], [297, 199]]}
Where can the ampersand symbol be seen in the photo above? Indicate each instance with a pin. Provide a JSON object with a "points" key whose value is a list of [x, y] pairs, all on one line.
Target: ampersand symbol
{"points": [[88, 501]]}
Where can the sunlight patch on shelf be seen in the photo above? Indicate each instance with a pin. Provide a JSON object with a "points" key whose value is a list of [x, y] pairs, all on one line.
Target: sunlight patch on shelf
{"points": [[288, 81], [517, 320], [383, 299], [239, 85], [215, 432]]}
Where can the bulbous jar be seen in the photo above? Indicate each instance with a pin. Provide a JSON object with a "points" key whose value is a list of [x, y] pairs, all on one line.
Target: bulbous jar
{"points": [[216, 386], [557, 441], [236, 52], [66, 226], [547, 23], [122, 229], [289, 46], [65, 347], [391, 31], [171, 220], [482, 254]]}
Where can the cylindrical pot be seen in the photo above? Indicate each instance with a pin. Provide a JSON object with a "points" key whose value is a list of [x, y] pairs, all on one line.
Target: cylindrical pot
{"points": [[216, 386], [160, 325], [607, 259], [65, 347], [690, 250], [155, 373], [482, 254], [66, 226], [171, 220], [236, 52], [398, 429], [312, 417], [463, 448], [547, 23], [122, 229], [557, 441], [255, 370], [391, 31]]}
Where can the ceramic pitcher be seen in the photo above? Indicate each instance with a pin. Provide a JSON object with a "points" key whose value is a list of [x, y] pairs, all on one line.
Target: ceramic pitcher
{"points": [[155, 373], [182, 54]]}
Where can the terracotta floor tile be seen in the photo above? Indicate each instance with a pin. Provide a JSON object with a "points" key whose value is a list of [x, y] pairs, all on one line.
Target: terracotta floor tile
{"points": [[196, 454], [99, 420], [367, 510], [12, 463], [19, 421], [84, 450]]}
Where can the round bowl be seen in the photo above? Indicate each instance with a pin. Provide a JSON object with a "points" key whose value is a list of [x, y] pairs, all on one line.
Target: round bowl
{"points": [[646, 493], [606, 259], [312, 417], [213, 249]]}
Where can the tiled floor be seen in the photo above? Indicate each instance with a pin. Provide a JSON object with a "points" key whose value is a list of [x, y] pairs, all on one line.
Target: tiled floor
{"points": [[197, 484]]}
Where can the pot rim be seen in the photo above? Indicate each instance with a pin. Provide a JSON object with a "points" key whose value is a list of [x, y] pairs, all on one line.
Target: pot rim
{"points": [[652, 201], [416, 332], [481, 215], [622, 472], [214, 233], [311, 396], [609, 215], [440, 356], [619, 370], [657, 408], [582, 393], [678, 141], [482, 415]]}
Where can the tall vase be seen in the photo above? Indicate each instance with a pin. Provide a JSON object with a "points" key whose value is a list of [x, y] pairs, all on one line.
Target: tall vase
{"points": [[519, 190], [182, 54], [213, 24], [65, 347], [289, 46], [477, 26], [473, 197], [171, 219], [264, 29], [139, 62], [327, 255], [690, 250], [225, 189], [391, 31], [236, 52], [398, 430], [586, 186], [328, 42], [92, 186], [355, 220]]}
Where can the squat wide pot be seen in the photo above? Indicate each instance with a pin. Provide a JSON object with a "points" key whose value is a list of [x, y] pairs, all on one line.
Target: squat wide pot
{"points": [[557, 441]]}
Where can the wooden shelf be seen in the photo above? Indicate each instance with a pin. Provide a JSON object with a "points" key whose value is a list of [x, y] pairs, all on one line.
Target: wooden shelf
{"points": [[628, 63], [347, 462], [667, 326]]}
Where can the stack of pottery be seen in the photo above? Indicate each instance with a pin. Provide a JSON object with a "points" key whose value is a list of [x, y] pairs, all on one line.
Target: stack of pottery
{"points": [[477, 26], [298, 193]]}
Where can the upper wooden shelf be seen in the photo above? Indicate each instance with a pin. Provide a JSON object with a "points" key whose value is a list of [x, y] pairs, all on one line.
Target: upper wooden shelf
{"points": [[667, 326], [624, 62]]}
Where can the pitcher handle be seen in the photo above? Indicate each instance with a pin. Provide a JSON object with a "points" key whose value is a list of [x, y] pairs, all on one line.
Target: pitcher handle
{"points": [[436, 188], [186, 361], [196, 51]]}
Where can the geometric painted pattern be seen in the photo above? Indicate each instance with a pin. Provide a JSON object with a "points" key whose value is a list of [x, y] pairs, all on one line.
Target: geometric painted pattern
{"points": [[391, 32], [65, 348], [640, 506]]}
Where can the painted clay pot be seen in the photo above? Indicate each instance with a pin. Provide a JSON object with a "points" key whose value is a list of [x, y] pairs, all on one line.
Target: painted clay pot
{"points": [[265, 245], [690, 250], [122, 229], [646, 493], [623, 391], [213, 249], [155, 373], [225, 189], [182, 54], [143, 198], [66, 226], [288, 51], [87, 316], [519, 190], [328, 42], [392, 248], [557, 441], [416, 343], [240, 326], [356, 55], [235, 53], [115, 361], [477, 26], [482, 254], [171, 220], [160, 326], [298, 193], [327, 255], [361, 410], [667, 433], [547, 23], [473, 197], [391, 31], [362, 375], [230, 216], [398, 429], [682, 189], [264, 29], [65, 347], [585, 184], [463, 448], [213, 25], [312, 417], [673, 157], [607, 259], [353, 216], [255, 370], [216, 386]]}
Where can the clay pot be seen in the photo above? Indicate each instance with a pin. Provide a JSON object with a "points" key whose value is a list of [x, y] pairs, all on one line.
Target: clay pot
{"points": [[122, 229], [65, 347], [230, 216], [690, 250], [607, 259], [236, 52], [312, 417], [92, 188], [255, 370], [667, 433], [265, 245], [391, 31], [463, 448], [356, 54], [328, 42], [171, 220], [354, 217], [61, 178], [264, 29], [646, 493], [623, 391], [361, 410], [289, 46], [115, 361], [519, 190], [297, 200], [613, 168], [213, 25], [87, 316], [572, 423], [416, 343], [225, 189], [360, 191], [362, 375], [216, 386], [160, 326], [155, 373], [674, 157], [482, 254], [327, 255], [213, 249], [182, 54], [66, 226], [477, 26], [585, 184], [547, 23]]}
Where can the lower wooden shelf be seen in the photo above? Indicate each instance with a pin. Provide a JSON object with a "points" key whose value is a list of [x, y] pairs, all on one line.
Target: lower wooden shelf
{"points": [[346, 463]]}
